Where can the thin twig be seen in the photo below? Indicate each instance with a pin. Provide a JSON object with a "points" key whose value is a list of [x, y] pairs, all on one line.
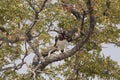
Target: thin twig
{"points": [[36, 51], [76, 70], [35, 17], [31, 5], [43, 5], [16, 67], [59, 32]]}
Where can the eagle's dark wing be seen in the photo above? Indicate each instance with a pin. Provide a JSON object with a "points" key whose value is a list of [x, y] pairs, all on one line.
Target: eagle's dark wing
{"points": [[76, 14], [70, 34]]}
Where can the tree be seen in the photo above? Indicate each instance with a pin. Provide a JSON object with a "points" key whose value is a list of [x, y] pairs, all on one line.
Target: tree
{"points": [[26, 26]]}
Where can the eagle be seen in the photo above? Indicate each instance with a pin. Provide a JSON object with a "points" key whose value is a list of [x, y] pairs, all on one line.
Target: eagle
{"points": [[62, 40]]}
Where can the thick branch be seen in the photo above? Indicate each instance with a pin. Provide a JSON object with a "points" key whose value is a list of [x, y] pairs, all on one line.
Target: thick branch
{"points": [[79, 45], [46, 52], [5, 39]]}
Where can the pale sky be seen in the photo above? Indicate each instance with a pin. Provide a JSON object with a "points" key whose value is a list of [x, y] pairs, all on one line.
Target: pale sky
{"points": [[112, 51]]}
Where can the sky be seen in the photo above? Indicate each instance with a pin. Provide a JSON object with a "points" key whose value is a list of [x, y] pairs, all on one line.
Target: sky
{"points": [[112, 51]]}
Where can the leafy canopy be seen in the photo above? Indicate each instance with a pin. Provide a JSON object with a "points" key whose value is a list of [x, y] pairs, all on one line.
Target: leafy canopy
{"points": [[17, 17]]}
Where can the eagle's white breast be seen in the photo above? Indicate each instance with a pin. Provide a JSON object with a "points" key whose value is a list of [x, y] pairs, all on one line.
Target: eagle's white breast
{"points": [[62, 44]]}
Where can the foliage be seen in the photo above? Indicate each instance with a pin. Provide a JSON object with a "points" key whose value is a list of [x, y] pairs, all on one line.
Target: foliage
{"points": [[16, 16]]}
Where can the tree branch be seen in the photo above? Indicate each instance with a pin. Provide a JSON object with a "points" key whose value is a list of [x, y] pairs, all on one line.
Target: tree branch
{"points": [[29, 36], [36, 15], [72, 10], [43, 5], [15, 67], [36, 51], [76, 70], [79, 45], [30, 4], [108, 3], [4, 39], [3, 30]]}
